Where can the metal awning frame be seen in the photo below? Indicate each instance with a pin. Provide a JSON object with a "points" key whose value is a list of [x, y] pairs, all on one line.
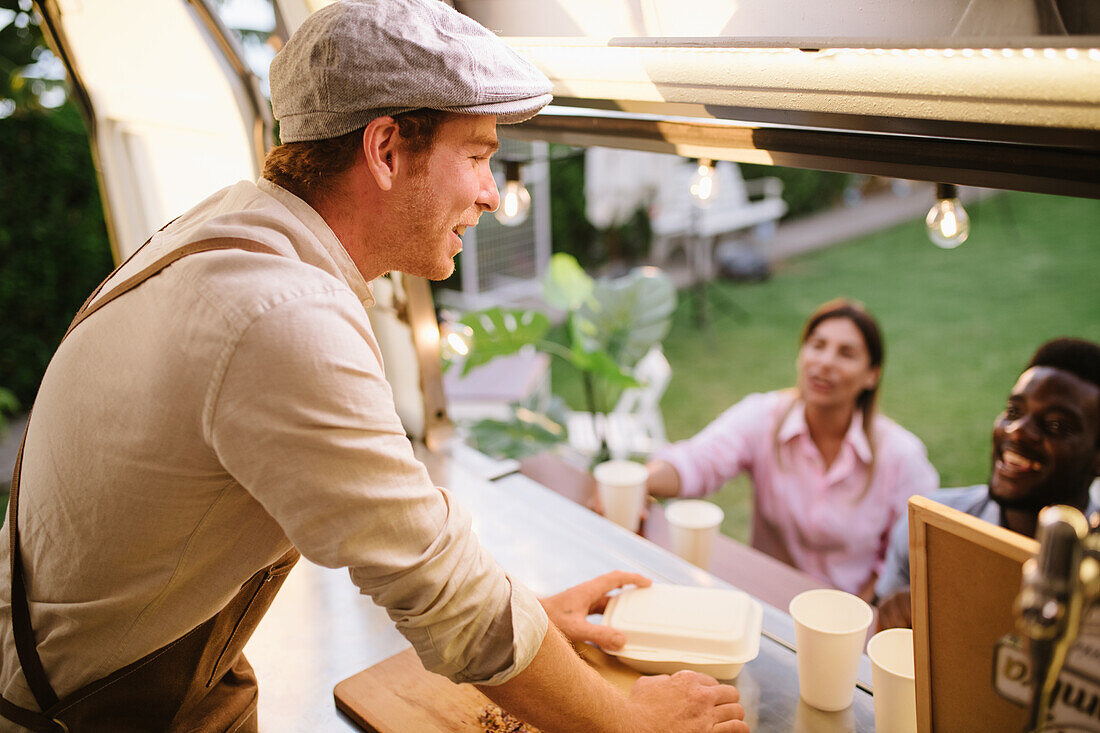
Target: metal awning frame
{"points": [[1019, 114], [971, 162]]}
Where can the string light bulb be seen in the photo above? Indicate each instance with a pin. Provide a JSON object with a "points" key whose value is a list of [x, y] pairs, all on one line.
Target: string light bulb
{"points": [[454, 340], [704, 184], [947, 221], [515, 204]]}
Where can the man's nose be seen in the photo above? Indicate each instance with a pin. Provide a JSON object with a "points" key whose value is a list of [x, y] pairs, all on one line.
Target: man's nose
{"points": [[488, 199], [1022, 427]]}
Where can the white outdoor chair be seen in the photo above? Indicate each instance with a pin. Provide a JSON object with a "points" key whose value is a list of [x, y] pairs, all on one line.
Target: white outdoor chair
{"points": [[489, 390], [635, 426], [739, 205]]}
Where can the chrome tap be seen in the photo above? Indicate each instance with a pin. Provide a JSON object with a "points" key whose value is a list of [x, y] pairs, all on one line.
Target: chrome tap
{"points": [[1052, 594]]}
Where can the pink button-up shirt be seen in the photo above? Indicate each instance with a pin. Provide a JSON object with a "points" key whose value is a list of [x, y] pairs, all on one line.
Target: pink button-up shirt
{"points": [[825, 521]]}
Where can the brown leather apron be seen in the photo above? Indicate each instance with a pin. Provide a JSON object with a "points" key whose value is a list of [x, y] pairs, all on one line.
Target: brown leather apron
{"points": [[199, 682]]}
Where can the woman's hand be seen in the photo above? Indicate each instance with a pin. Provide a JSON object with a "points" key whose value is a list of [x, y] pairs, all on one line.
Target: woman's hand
{"points": [[570, 608]]}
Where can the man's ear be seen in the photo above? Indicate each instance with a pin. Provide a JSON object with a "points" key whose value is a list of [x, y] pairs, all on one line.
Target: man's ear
{"points": [[382, 150]]}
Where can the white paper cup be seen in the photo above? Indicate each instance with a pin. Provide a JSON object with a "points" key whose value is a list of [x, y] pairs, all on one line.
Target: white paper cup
{"points": [[621, 486], [809, 719], [891, 654], [692, 526], [829, 629]]}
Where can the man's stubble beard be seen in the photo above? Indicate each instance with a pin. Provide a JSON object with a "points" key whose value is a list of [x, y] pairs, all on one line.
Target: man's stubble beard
{"points": [[417, 247]]}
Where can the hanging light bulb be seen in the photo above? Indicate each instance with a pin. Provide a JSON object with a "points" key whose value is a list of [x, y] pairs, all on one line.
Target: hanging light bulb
{"points": [[947, 222], [515, 204], [704, 184]]}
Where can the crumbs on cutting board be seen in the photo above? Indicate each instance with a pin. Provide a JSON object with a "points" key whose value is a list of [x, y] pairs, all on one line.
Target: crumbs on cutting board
{"points": [[496, 720]]}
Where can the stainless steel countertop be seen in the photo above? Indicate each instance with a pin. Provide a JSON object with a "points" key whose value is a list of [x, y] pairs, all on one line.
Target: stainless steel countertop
{"points": [[320, 630]]}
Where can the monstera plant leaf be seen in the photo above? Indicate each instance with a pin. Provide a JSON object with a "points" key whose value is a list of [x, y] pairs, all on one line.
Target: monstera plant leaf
{"points": [[611, 325], [498, 332], [536, 425], [600, 364], [566, 285], [627, 316]]}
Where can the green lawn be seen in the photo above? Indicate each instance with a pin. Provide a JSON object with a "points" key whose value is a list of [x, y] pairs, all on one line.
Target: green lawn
{"points": [[959, 326]]}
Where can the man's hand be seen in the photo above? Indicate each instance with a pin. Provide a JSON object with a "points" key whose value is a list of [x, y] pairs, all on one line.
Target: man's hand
{"points": [[896, 611], [570, 608], [686, 702], [558, 693]]}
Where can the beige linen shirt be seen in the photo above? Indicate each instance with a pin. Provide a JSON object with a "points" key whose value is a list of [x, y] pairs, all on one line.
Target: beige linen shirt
{"points": [[234, 405]]}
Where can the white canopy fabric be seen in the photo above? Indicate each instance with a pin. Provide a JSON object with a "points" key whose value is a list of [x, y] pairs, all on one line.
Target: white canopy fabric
{"points": [[173, 121]]}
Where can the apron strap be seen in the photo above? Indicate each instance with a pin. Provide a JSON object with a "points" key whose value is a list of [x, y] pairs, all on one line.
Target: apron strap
{"points": [[203, 245], [25, 645], [30, 719]]}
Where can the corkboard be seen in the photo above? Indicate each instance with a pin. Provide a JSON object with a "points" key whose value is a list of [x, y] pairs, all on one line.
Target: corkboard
{"points": [[965, 576]]}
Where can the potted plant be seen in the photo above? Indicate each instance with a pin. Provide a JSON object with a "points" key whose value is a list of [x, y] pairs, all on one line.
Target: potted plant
{"points": [[610, 324]]}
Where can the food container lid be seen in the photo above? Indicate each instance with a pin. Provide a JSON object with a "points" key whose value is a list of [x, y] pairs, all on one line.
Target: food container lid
{"points": [[686, 624]]}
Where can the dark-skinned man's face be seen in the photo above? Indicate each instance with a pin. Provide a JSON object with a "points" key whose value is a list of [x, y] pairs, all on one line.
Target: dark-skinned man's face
{"points": [[1045, 443]]}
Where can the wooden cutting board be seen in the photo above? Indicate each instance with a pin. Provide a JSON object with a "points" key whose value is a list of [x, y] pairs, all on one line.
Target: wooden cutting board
{"points": [[398, 695]]}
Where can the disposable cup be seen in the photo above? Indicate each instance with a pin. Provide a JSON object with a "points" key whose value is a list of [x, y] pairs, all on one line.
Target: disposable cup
{"points": [[829, 629], [692, 526], [891, 654], [621, 486], [811, 720]]}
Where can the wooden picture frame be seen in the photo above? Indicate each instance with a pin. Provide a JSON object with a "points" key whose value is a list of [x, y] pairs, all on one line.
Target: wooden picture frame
{"points": [[965, 574]]}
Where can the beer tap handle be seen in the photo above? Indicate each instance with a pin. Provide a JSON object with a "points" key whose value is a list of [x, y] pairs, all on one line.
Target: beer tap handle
{"points": [[1090, 570], [1048, 608]]}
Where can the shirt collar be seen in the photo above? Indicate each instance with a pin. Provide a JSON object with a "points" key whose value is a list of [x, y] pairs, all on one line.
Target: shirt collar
{"points": [[341, 263], [857, 438], [990, 511], [794, 425]]}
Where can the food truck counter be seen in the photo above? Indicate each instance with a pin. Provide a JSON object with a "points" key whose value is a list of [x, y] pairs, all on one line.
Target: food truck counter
{"points": [[320, 630]]}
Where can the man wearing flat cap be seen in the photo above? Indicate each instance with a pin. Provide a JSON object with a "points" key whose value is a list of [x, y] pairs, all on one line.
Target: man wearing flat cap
{"points": [[219, 406]]}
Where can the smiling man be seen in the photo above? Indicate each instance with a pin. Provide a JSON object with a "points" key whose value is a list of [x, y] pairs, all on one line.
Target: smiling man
{"points": [[220, 406], [1046, 450]]}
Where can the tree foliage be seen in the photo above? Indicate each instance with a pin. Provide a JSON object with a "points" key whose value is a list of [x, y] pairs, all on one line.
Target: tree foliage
{"points": [[21, 47], [53, 242], [571, 231], [804, 191]]}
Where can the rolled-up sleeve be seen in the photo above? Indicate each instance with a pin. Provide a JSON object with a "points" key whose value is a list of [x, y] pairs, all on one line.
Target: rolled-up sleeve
{"points": [[304, 420]]}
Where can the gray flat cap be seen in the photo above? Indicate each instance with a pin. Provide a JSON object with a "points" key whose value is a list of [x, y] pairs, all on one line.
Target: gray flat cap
{"points": [[356, 60]]}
